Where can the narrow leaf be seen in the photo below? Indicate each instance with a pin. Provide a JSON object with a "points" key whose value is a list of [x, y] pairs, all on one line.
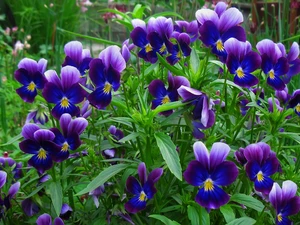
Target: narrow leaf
{"points": [[164, 219], [168, 66], [56, 196], [193, 215], [129, 137], [169, 153], [228, 213], [242, 221], [104, 176], [13, 140], [248, 201]]}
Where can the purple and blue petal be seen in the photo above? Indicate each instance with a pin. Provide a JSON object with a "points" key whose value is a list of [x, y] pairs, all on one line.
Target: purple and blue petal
{"points": [[99, 98], [133, 186], [142, 173], [225, 174], [134, 205], [264, 186], [196, 174], [3, 176], [112, 57], [218, 154], [230, 18], [212, 199]]}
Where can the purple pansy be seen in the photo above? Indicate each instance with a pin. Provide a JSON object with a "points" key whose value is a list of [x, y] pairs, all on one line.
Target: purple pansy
{"points": [[31, 75], [190, 28], [143, 190], [242, 61], [126, 48], [283, 95], [274, 65], [162, 95], [293, 60], [64, 92], [285, 201], [261, 164], [29, 207], [96, 193], [13, 190], [105, 73], [65, 212], [210, 171], [45, 219], [271, 105], [39, 143], [117, 135], [68, 137], [38, 116], [220, 25], [294, 102], [77, 56], [240, 157], [203, 116], [180, 49], [8, 161]]}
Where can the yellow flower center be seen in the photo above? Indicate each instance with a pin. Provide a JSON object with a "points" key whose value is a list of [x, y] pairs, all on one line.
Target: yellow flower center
{"points": [[163, 48], [64, 102], [148, 48], [165, 100], [143, 197], [279, 217], [107, 88], [42, 154], [272, 74], [178, 55], [65, 147], [31, 86], [208, 185], [220, 46], [298, 107], [260, 176], [240, 73]]}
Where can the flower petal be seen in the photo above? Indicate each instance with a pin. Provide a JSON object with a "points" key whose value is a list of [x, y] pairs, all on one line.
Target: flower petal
{"points": [[42, 135], [142, 171], [247, 81], [41, 164], [28, 64], [78, 125], [26, 95], [213, 199], [275, 196], [264, 186], [230, 18], [225, 174], [58, 110], [3, 176], [251, 62], [253, 152], [294, 52], [97, 73], [289, 190], [69, 76], [292, 207], [195, 173], [28, 130], [44, 219], [58, 221], [188, 94], [111, 56], [29, 207], [73, 49], [52, 77], [134, 205], [203, 15], [157, 89], [133, 186], [64, 122], [218, 154], [252, 168], [209, 34], [42, 65], [52, 93], [99, 99], [276, 83], [14, 189], [155, 175], [139, 37], [220, 8], [270, 166], [201, 154]]}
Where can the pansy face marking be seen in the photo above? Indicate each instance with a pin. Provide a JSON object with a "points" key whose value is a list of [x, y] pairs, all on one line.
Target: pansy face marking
{"points": [[31, 86], [220, 46]]}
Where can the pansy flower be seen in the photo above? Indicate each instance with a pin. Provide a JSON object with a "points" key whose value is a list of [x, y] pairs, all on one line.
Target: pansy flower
{"points": [[203, 116], [105, 73], [283, 95], [96, 193], [180, 49], [293, 60], [261, 164], [126, 48], [38, 116], [209, 172], [45, 219], [68, 139], [190, 28], [162, 95], [117, 135], [65, 212], [240, 157], [242, 61], [29, 207], [294, 102], [39, 143], [143, 190], [274, 65], [13, 190], [64, 92], [30, 75], [77, 56], [271, 105], [285, 201], [220, 25]]}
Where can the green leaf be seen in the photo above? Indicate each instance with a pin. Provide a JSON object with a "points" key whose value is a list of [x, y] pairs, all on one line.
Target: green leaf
{"points": [[129, 137], [194, 62], [166, 14], [56, 196], [169, 153], [164, 219], [103, 41], [138, 11], [11, 141], [228, 213], [204, 215], [248, 201], [168, 106], [193, 215], [218, 63], [230, 83], [242, 221], [173, 69], [104, 176]]}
